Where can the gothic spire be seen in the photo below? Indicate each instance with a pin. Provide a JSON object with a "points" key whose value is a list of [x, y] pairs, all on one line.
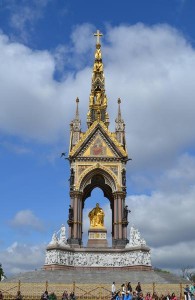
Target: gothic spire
{"points": [[97, 98], [75, 126], [77, 109], [120, 126]]}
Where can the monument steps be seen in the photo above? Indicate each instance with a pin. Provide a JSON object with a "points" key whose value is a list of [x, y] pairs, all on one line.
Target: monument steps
{"points": [[96, 276]]}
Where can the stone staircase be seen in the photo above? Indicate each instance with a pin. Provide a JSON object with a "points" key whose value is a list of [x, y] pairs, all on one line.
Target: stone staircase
{"points": [[96, 276]]}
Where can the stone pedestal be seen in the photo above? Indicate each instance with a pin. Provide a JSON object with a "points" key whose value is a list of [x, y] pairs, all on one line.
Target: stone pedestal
{"points": [[134, 258], [97, 238]]}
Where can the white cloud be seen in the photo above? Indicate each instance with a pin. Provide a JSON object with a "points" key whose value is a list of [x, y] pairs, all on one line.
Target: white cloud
{"points": [[23, 16], [25, 220], [152, 70], [15, 148], [13, 258]]}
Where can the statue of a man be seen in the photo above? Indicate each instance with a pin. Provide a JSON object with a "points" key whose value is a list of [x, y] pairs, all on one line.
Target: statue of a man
{"points": [[96, 216], [70, 213], [125, 213], [71, 179]]}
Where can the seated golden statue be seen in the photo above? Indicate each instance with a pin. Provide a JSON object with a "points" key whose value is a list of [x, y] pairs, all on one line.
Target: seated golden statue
{"points": [[96, 216]]}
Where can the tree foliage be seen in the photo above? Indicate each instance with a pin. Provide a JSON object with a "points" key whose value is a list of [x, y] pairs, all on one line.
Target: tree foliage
{"points": [[2, 274]]}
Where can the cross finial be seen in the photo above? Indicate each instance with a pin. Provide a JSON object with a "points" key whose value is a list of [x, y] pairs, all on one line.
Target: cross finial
{"points": [[98, 34]]}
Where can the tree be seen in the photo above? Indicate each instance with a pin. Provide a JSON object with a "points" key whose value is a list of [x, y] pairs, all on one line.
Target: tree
{"points": [[2, 274], [188, 273]]}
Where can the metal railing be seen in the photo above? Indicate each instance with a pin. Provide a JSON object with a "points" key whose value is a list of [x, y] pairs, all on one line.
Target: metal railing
{"points": [[33, 291]]}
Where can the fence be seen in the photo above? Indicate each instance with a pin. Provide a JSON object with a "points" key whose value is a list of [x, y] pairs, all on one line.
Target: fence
{"points": [[33, 291]]}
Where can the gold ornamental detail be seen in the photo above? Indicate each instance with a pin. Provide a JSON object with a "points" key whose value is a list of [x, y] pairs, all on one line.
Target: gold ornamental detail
{"points": [[89, 131], [101, 167], [96, 217]]}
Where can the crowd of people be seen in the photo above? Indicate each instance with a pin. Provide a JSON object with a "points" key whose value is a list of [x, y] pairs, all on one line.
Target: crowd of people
{"points": [[126, 292], [46, 296], [52, 296]]}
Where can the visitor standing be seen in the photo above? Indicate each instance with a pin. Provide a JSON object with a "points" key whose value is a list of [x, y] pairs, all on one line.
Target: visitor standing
{"points": [[187, 293], [113, 288], [138, 288], [123, 291], [192, 291], [129, 287]]}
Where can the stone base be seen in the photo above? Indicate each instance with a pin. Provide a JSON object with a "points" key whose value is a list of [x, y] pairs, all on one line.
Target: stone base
{"points": [[135, 258], [119, 244], [74, 243], [97, 238]]}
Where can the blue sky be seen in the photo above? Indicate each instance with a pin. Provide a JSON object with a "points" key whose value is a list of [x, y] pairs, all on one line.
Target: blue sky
{"points": [[46, 56]]}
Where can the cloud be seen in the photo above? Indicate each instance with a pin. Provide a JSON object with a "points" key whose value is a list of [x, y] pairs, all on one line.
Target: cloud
{"points": [[15, 148], [25, 220], [23, 16], [13, 258], [152, 70], [174, 257]]}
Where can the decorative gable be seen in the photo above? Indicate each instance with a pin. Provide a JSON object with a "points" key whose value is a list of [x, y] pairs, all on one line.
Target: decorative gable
{"points": [[98, 142], [98, 146]]}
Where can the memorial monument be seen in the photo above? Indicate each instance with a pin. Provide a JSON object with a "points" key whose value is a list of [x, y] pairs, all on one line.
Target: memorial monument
{"points": [[98, 158]]}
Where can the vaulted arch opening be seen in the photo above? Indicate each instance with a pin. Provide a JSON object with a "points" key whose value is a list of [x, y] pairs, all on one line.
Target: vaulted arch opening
{"points": [[102, 181], [97, 196]]}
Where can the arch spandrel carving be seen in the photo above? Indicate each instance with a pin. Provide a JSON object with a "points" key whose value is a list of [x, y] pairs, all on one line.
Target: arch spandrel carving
{"points": [[87, 175]]}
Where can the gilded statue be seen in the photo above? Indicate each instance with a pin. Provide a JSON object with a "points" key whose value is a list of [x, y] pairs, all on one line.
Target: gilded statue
{"points": [[98, 98], [105, 101], [96, 216], [91, 99]]}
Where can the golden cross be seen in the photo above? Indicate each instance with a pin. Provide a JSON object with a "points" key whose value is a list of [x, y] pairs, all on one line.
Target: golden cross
{"points": [[98, 34]]}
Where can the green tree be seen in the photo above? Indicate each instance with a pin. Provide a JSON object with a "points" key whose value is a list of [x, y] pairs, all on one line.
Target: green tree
{"points": [[2, 274]]}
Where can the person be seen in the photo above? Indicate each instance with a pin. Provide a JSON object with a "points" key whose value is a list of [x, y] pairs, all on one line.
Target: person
{"points": [[187, 293], [140, 296], [192, 290], [148, 297], [18, 296], [52, 296], [155, 296], [65, 295], [72, 296], [138, 287], [118, 295], [123, 291], [1, 295], [113, 288], [45, 296], [134, 296], [173, 297], [129, 287]]}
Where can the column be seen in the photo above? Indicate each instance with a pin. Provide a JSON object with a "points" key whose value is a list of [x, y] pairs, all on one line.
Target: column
{"points": [[115, 218], [120, 217]]}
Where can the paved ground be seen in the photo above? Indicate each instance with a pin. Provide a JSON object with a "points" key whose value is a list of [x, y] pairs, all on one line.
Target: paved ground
{"points": [[96, 276]]}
